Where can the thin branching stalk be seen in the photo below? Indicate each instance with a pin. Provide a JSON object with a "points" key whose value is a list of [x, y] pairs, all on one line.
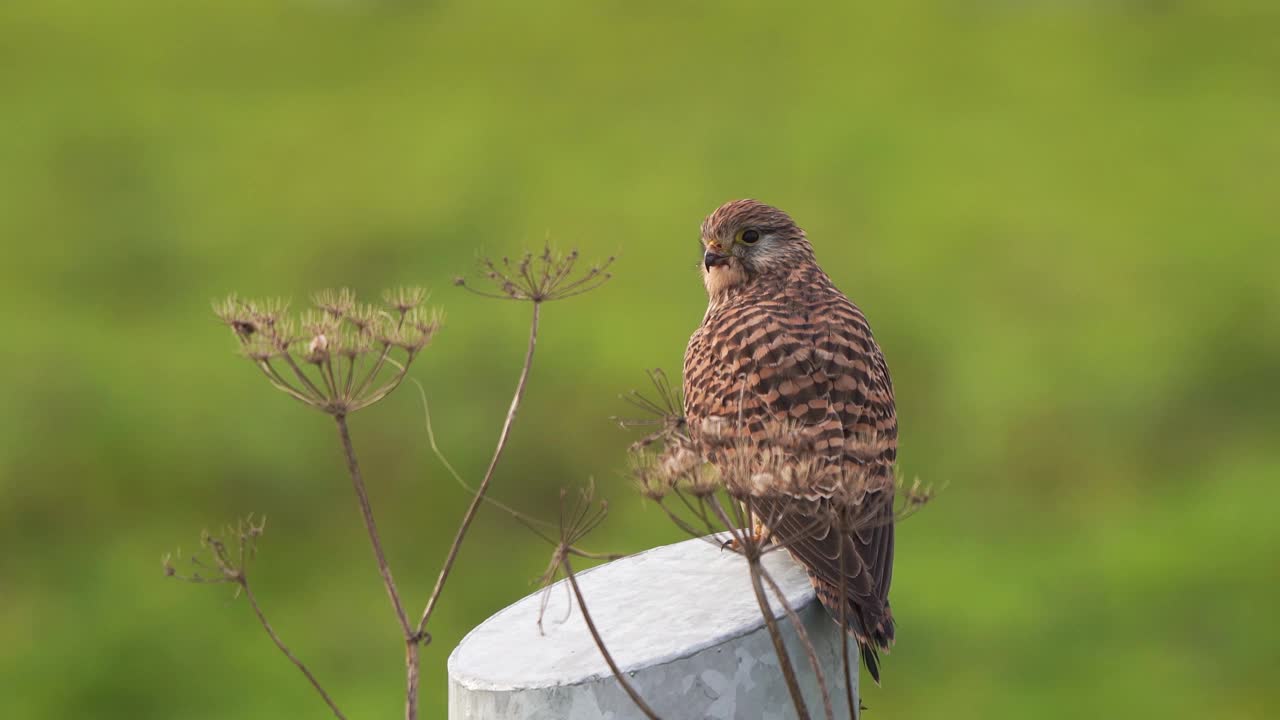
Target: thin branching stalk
{"points": [[604, 650], [749, 548], [578, 518], [527, 520], [412, 647], [339, 329], [262, 618], [317, 392], [803, 636], [779, 647], [229, 555], [366, 510], [474, 507]]}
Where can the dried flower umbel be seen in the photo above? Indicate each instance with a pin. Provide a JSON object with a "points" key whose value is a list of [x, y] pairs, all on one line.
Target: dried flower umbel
{"points": [[340, 356], [539, 278], [225, 556], [226, 559]]}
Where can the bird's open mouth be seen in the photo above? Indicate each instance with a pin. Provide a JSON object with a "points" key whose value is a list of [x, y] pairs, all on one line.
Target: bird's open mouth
{"points": [[714, 259]]}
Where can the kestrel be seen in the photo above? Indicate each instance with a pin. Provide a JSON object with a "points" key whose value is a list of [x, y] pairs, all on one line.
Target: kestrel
{"points": [[782, 353]]}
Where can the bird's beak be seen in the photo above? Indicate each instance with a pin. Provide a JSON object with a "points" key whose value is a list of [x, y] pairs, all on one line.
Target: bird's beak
{"points": [[713, 257]]}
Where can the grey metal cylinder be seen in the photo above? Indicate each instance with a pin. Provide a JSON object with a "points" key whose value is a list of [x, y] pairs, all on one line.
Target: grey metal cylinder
{"points": [[681, 622]]}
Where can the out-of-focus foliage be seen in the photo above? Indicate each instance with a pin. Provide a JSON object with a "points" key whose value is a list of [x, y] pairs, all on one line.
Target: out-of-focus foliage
{"points": [[1061, 217]]}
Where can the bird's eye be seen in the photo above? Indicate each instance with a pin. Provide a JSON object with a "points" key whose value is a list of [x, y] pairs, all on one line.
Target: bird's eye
{"points": [[750, 236]]}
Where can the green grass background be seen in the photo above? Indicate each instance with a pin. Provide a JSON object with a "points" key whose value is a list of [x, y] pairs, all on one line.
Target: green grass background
{"points": [[1061, 217]]}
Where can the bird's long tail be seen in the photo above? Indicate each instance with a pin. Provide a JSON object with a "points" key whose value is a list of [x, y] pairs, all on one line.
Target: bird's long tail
{"points": [[870, 644], [872, 631]]}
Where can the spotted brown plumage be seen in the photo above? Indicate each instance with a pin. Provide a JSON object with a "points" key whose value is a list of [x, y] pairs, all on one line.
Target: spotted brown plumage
{"points": [[782, 353]]}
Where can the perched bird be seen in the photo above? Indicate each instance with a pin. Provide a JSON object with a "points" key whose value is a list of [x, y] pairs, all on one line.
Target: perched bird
{"points": [[782, 353]]}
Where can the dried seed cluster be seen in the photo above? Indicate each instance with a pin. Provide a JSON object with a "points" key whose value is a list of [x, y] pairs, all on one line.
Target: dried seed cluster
{"points": [[540, 277], [339, 356], [226, 555]]}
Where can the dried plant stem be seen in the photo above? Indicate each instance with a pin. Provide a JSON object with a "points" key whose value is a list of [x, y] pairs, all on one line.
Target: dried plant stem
{"points": [[750, 549], [357, 481], [262, 618], [488, 477], [803, 635], [604, 651], [779, 647], [410, 637], [412, 647]]}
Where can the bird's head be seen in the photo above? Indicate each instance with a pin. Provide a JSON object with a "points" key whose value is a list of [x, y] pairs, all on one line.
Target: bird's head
{"points": [[744, 240]]}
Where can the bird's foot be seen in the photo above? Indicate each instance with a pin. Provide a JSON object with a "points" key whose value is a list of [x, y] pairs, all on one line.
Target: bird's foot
{"points": [[757, 536]]}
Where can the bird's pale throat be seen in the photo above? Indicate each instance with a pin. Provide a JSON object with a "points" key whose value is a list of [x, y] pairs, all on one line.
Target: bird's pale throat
{"points": [[720, 278]]}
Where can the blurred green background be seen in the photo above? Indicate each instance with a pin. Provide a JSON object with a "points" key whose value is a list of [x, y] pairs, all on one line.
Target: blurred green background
{"points": [[1061, 217]]}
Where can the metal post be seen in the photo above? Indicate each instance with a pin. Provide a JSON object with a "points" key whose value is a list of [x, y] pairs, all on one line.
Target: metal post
{"points": [[682, 623]]}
